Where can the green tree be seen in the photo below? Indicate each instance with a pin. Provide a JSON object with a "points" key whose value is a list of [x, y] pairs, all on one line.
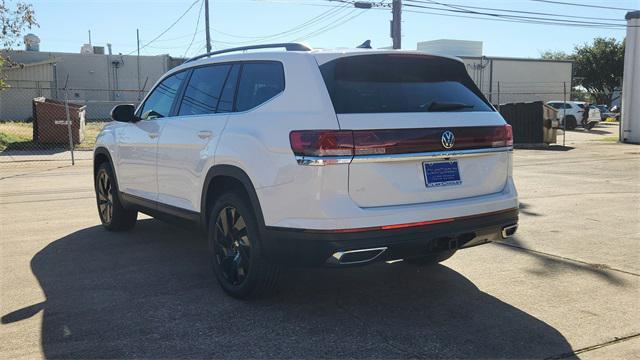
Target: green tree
{"points": [[14, 20], [555, 55], [599, 67]]}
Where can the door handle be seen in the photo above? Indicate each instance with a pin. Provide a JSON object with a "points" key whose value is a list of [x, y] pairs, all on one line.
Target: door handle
{"points": [[205, 134], [153, 135]]}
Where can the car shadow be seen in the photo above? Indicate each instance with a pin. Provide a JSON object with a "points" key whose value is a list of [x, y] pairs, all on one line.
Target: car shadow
{"points": [[149, 293]]}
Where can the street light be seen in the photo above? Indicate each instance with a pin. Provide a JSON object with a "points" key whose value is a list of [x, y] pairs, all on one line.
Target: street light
{"points": [[363, 4]]}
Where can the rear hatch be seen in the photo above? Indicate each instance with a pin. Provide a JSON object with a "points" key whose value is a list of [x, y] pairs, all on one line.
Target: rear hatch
{"points": [[422, 131]]}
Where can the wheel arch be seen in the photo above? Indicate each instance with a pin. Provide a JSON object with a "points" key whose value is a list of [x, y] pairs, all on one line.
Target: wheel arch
{"points": [[100, 156], [225, 177]]}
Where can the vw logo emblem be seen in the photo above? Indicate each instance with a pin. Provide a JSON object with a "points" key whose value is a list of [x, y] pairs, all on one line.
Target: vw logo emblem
{"points": [[448, 139]]}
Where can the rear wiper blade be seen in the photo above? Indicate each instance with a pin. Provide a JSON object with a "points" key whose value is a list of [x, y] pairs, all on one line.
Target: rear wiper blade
{"points": [[447, 106]]}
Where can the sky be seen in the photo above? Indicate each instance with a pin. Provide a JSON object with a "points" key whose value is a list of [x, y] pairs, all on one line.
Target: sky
{"points": [[64, 25]]}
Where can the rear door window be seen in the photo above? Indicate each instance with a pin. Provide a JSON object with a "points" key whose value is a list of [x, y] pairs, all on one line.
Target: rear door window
{"points": [[202, 93], [258, 83], [387, 83]]}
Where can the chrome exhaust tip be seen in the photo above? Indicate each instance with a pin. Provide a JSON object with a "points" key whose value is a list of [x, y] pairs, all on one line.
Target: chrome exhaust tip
{"points": [[508, 231], [359, 256]]}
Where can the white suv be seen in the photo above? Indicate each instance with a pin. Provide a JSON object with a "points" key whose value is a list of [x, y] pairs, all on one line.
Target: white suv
{"points": [[308, 157], [573, 113]]}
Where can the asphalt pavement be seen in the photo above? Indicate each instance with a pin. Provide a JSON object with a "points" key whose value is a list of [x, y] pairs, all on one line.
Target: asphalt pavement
{"points": [[568, 285]]}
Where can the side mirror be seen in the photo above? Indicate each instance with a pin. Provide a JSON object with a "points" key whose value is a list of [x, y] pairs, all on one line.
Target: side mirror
{"points": [[124, 113]]}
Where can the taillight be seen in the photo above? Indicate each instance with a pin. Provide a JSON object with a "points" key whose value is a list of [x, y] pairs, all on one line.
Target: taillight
{"points": [[341, 143], [322, 142]]}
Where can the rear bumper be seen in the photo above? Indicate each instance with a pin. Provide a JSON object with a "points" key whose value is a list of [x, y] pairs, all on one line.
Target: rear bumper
{"points": [[317, 247]]}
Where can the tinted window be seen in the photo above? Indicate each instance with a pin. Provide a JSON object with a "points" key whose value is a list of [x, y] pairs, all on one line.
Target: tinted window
{"points": [[159, 102], [259, 82], [581, 106], [400, 83], [229, 90], [555, 105], [202, 94]]}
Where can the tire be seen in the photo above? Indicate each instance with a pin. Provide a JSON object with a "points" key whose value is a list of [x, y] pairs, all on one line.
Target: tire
{"points": [[113, 215], [237, 251], [570, 122], [430, 259]]}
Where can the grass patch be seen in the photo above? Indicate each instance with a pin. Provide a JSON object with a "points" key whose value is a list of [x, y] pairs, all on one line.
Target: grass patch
{"points": [[9, 140], [613, 138], [18, 135]]}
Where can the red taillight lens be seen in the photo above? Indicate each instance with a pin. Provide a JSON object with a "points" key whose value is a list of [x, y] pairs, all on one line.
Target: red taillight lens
{"points": [[322, 142], [396, 141]]}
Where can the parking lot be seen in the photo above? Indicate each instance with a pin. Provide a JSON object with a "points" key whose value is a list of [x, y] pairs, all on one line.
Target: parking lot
{"points": [[567, 285]]}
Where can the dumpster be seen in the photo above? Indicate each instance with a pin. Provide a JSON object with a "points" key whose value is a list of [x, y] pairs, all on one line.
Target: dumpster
{"points": [[533, 123], [50, 121]]}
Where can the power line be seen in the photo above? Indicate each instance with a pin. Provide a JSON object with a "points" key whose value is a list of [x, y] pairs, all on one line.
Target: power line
{"points": [[195, 32], [169, 28], [512, 18], [583, 5], [536, 13], [294, 30], [491, 19], [337, 23], [462, 9]]}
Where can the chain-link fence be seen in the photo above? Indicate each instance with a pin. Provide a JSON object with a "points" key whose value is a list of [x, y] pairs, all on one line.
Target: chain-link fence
{"points": [[41, 123], [37, 125]]}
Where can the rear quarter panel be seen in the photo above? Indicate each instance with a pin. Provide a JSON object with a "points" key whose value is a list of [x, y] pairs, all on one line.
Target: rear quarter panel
{"points": [[257, 141]]}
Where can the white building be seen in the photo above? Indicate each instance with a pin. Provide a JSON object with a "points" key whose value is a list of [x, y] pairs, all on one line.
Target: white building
{"points": [[449, 47], [504, 79], [98, 80]]}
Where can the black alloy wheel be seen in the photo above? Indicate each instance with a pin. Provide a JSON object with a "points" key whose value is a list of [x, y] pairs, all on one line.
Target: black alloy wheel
{"points": [[238, 252], [113, 215], [232, 245], [105, 197]]}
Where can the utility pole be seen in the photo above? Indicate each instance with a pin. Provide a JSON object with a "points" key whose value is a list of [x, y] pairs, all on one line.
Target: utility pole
{"points": [[396, 24], [206, 24]]}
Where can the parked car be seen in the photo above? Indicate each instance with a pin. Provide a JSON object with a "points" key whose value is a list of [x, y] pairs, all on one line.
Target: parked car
{"points": [[605, 113], [573, 113], [314, 158]]}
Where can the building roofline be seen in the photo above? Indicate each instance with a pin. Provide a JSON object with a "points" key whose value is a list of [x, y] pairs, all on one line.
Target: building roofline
{"points": [[515, 59], [54, 53]]}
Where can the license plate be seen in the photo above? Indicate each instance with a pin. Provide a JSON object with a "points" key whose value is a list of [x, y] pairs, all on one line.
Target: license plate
{"points": [[442, 173]]}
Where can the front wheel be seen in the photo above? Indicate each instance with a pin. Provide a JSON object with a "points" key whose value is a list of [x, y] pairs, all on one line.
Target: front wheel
{"points": [[113, 215], [239, 263], [430, 259]]}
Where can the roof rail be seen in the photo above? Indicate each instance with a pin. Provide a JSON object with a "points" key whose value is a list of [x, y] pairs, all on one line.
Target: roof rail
{"points": [[287, 46]]}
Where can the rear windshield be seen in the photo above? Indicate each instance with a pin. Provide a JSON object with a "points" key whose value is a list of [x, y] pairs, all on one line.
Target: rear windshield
{"points": [[389, 83]]}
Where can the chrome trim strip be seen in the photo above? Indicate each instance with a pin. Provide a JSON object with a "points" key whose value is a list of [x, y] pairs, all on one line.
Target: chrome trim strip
{"points": [[324, 160], [429, 155], [336, 257], [331, 160]]}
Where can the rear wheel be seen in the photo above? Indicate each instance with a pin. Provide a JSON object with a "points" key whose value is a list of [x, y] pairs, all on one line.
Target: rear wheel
{"points": [[430, 259], [570, 122], [236, 249], [113, 215]]}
